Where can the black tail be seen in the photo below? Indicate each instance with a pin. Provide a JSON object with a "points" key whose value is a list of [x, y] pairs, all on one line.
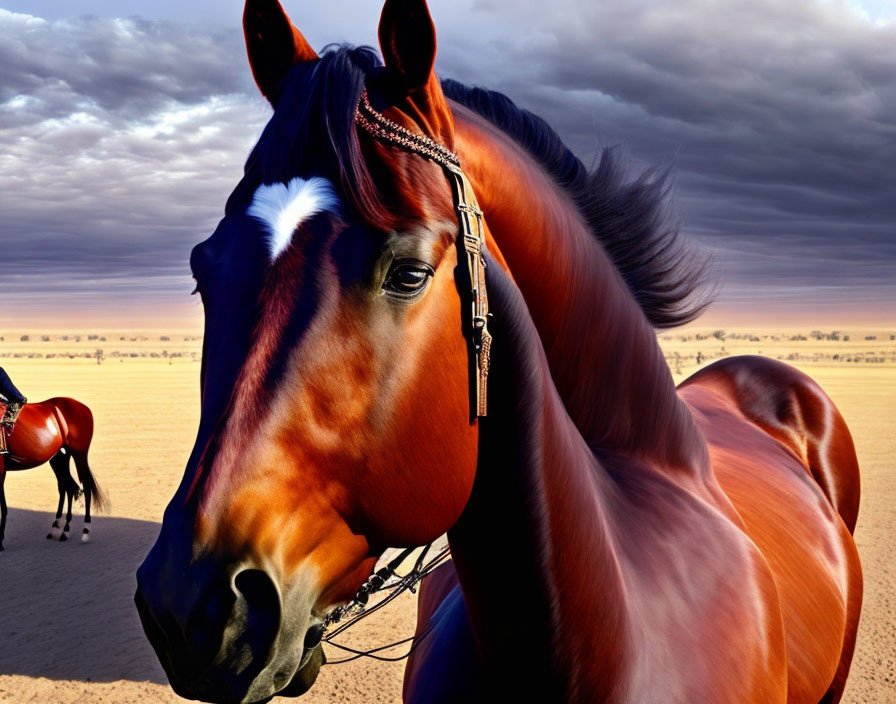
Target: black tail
{"points": [[88, 481]]}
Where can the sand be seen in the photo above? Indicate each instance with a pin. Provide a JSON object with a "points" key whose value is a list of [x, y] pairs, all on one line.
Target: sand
{"points": [[68, 629]]}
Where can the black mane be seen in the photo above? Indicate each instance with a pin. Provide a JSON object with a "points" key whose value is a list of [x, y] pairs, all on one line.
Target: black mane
{"points": [[313, 130], [665, 274]]}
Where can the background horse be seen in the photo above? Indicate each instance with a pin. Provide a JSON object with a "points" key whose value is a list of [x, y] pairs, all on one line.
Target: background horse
{"points": [[614, 539], [54, 431]]}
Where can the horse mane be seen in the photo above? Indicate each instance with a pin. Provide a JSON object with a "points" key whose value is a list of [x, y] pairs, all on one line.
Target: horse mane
{"points": [[313, 130], [663, 271]]}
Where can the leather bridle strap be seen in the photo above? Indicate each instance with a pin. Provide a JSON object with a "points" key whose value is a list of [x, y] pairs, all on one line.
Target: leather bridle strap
{"points": [[471, 233]]}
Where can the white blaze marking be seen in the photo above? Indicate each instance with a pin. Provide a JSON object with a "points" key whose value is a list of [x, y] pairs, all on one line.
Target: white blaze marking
{"points": [[282, 207]]}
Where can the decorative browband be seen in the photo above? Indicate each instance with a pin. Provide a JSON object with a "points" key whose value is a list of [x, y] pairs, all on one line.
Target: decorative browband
{"points": [[385, 130]]}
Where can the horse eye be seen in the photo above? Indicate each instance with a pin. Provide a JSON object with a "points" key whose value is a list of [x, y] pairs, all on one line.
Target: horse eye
{"points": [[406, 279]]}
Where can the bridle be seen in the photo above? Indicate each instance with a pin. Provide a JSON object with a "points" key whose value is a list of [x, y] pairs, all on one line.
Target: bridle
{"points": [[471, 231], [471, 234]]}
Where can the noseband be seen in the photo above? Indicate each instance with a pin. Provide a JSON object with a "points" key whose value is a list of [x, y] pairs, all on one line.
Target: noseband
{"points": [[471, 230]]}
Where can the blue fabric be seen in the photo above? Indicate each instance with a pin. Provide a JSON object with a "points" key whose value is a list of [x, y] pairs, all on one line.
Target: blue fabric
{"points": [[8, 389]]}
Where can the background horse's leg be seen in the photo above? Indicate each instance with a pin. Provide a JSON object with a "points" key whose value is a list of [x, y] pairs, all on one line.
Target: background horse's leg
{"points": [[59, 463], [68, 517], [2, 501], [92, 490]]}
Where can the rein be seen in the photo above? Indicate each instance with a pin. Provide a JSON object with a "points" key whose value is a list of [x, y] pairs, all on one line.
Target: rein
{"points": [[471, 234], [385, 579]]}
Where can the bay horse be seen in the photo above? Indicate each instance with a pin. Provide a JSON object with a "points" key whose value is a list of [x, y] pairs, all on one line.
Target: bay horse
{"points": [[425, 315], [56, 431]]}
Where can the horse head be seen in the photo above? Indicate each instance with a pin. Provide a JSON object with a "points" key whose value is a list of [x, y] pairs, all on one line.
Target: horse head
{"points": [[336, 394]]}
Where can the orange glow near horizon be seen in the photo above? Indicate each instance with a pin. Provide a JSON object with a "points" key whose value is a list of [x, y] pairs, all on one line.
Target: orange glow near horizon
{"points": [[188, 317], [881, 314]]}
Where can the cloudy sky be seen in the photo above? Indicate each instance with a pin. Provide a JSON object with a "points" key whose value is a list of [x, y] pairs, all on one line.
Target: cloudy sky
{"points": [[124, 126]]}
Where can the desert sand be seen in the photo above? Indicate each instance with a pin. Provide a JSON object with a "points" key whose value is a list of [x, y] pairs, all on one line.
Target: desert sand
{"points": [[68, 629]]}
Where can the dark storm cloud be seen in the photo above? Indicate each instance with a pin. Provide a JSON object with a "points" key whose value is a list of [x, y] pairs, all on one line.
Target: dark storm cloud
{"points": [[127, 66], [780, 119], [121, 138]]}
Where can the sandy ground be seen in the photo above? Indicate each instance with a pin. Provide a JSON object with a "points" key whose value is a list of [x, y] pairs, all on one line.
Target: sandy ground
{"points": [[68, 630]]}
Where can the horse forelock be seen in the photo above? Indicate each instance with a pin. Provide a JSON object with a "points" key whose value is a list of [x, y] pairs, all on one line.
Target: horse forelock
{"points": [[312, 133]]}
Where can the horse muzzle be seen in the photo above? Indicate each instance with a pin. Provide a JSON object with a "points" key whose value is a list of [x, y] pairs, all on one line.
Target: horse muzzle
{"points": [[227, 633]]}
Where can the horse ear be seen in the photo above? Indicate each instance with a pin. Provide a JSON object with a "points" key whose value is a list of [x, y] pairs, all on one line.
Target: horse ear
{"points": [[274, 45], [408, 41]]}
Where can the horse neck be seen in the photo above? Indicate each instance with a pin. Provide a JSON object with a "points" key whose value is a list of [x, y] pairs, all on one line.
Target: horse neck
{"points": [[534, 548], [602, 351]]}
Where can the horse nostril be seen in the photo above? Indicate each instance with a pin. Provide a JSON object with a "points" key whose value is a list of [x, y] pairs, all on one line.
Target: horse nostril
{"points": [[255, 586], [262, 604]]}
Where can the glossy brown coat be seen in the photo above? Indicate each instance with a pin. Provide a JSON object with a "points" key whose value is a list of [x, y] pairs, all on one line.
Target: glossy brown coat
{"points": [[42, 428]]}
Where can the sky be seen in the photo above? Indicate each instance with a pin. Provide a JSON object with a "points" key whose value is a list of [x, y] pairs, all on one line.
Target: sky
{"points": [[124, 126]]}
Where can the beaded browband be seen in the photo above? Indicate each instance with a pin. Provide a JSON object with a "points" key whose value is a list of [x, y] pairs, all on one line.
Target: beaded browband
{"points": [[469, 218]]}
